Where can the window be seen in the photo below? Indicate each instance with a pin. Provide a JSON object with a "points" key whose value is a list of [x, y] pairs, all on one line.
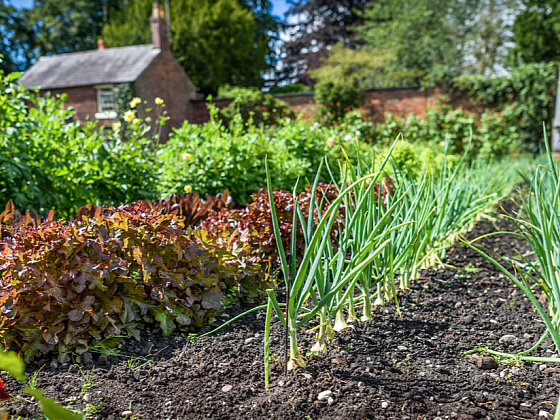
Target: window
{"points": [[105, 103]]}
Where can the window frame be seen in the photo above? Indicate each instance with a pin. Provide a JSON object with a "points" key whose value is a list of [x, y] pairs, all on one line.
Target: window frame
{"points": [[104, 114]]}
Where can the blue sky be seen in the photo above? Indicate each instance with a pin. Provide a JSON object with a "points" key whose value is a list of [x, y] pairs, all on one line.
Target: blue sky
{"points": [[21, 3], [278, 6]]}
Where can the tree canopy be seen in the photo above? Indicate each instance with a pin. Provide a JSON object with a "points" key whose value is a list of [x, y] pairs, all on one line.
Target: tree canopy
{"points": [[215, 41], [537, 31]]}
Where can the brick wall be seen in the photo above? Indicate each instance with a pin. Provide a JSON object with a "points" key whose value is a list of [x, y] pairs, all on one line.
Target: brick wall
{"points": [[376, 102], [83, 99], [164, 78]]}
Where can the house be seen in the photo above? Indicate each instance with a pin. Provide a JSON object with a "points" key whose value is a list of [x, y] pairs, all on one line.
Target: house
{"points": [[88, 77]]}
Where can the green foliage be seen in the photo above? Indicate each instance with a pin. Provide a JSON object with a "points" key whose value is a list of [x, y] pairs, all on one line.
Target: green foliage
{"points": [[101, 276], [343, 75], [63, 26], [528, 91], [48, 161], [213, 40], [291, 88], [493, 134], [123, 94], [251, 103], [537, 31], [209, 158], [16, 40], [424, 35]]}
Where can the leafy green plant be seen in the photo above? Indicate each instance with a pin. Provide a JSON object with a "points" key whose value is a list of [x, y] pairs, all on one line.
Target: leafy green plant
{"points": [[254, 105], [528, 90], [48, 161]]}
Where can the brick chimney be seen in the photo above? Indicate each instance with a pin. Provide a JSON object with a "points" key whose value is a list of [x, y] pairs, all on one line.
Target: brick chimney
{"points": [[158, 24], [100, 44]]}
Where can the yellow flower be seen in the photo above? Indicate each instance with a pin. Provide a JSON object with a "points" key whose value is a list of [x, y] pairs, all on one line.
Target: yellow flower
{"points": [[188, 189], [159, 101], [186, 156], [136, 121], [116, 126], [135, 102], [129, 116]]}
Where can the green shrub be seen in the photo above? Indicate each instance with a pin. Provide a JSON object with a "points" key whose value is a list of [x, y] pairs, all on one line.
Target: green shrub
{"points": [[493, 134], [49, 161], [251, 103], [292, 88], [210, 158], [529, 89]]}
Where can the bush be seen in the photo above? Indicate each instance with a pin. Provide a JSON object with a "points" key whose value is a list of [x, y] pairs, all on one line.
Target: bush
{"points": [[47, 161], [209, 158], [254, 105], [493, 134], [529, 90], [66, 286]]}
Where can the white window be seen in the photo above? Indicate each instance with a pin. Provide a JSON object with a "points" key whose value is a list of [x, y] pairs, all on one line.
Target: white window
{"points": [[105, 103]]}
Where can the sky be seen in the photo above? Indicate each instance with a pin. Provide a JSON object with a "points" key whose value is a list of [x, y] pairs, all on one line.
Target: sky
{"points": [[279, 7], [21, 3]]}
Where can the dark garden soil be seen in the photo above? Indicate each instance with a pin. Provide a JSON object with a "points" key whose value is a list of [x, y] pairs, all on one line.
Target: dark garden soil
{"points": [[393, 367]]}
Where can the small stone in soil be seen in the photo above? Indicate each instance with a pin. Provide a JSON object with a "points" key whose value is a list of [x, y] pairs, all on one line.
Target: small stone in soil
{"points": [[226, 388], [250, 340], [443, 370], [484, 362], [468, 319], [126, 413], [402, 348], [324, 396], [545, 414], [384, 404], [508, 339], [549, 371]]}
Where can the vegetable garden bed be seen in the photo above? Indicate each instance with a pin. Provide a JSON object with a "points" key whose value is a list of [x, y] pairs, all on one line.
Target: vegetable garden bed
{"points": [[392, 367]]}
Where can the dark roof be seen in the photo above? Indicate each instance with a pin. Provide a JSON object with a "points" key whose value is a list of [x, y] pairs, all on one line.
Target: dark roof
{"points": [[111, 65]]}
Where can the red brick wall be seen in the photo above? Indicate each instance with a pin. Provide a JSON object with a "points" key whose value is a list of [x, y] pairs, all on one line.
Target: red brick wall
{"points": [[198, 113], [164, 78], [84, 100], [376, 102]]}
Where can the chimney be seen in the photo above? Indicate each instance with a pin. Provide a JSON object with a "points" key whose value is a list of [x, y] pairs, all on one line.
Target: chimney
{"points": [[100, 44], [158, 24]]}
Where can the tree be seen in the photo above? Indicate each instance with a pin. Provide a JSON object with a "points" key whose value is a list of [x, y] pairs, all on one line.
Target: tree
{"points": [[16, 40], [536, 31], [319, 24], [213, 40], [426, 36], [63, 26], [344, 73]]}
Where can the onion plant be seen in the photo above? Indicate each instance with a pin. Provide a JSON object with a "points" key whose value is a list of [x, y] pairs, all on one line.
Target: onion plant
{"points": [[539, 225], [330, 268]]}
